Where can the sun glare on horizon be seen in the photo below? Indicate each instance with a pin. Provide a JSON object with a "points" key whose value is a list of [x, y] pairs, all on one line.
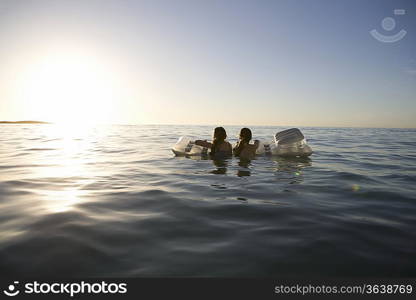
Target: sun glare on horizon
{"points": [[70, 88]]}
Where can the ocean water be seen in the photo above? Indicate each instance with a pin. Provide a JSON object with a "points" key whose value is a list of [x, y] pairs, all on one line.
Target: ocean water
{"points": [[114, 201]]}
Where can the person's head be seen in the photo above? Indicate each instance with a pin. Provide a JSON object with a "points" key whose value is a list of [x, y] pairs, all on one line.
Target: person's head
{"points": [[219, 134], [245, 135]]}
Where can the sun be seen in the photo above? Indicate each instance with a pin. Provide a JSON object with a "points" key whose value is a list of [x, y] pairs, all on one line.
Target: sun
{"points": [[70, 88]]}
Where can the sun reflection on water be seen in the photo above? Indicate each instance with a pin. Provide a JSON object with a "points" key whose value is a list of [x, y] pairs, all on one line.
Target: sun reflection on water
{"points": [[66, 166]]}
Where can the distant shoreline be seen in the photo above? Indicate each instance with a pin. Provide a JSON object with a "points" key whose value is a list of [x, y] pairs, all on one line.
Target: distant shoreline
{"points": [[23, 122]]}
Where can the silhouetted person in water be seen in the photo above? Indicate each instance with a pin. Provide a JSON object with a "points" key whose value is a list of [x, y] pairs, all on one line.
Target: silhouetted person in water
{"points": [[244, 149], [220, 148]]}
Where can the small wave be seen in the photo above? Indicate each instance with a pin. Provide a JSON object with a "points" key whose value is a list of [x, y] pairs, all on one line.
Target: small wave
{"points": [[41, 149]]}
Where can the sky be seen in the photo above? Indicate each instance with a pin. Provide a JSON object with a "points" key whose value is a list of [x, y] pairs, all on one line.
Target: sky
{"points": [[281, 62]]}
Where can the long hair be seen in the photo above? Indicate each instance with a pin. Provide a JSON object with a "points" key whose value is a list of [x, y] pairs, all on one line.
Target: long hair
{"points": [[245, 137], [219, 136]]}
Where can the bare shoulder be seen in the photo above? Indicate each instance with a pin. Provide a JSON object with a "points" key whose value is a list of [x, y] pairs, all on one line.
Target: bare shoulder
{"points": [[226, 146]]}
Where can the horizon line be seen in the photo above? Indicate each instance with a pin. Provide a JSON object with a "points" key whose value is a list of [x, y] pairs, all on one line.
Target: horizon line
{"points": [[34, 122]]}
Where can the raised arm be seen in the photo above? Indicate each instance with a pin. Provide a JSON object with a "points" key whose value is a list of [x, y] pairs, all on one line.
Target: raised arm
{"points": [[237, 149], [256, 144], [203, 143]]}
